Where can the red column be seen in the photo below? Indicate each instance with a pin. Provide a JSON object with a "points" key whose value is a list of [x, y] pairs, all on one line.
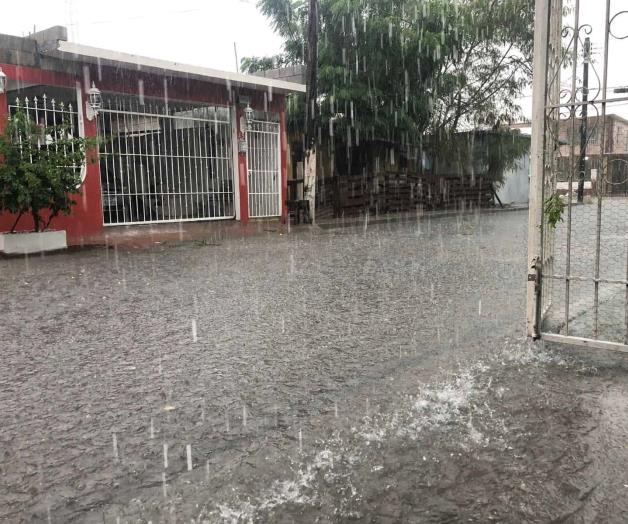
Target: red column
{"points": [[242, 170], [284, 162], [88, 209]]}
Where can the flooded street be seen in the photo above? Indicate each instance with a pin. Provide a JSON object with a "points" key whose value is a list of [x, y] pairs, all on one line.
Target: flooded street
{"points": [[372, 372]]}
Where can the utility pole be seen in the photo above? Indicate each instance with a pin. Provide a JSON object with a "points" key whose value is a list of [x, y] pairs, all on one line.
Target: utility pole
{"points": [[584, 119], [311, 117], [312, 75], [235, 52]]}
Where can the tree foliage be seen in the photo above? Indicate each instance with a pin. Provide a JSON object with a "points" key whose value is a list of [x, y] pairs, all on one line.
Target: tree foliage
{"points": [[411, 72], [39, 169], [255, 64]]}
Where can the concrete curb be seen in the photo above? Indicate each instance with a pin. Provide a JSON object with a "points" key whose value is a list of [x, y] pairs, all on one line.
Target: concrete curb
{"points": [[409, 217]]}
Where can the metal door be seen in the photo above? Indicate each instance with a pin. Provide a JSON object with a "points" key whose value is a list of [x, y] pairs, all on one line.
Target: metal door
{"points": [[578, 236], [264, 168]]}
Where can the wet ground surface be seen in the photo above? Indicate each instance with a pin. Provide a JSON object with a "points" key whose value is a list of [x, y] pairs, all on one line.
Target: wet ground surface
{"points": [[375, 374]]}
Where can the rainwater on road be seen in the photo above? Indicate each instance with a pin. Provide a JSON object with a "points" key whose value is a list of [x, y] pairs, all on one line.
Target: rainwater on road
{"points": [[370, 373]]}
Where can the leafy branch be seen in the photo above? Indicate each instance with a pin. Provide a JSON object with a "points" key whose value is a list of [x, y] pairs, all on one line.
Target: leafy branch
{"points": [[553, 209]]}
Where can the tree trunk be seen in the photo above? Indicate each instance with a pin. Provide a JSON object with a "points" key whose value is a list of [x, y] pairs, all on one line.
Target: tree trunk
{"points": [[16, 221], [36, 221], [311, 108], [52, 215]]}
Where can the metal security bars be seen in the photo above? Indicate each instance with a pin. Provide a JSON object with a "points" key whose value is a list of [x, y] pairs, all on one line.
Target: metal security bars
{"points": [[51, 118], [264, 168], [578, 281], [162, 163]]}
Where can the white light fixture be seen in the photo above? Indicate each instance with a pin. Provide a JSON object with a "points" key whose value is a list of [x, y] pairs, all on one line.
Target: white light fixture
{"points": [[94, 102], [248, 113], [3, 82]]}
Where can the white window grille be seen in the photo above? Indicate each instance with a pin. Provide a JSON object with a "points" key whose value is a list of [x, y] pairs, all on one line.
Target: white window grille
{"points": [[51, 118], [161, 163]]}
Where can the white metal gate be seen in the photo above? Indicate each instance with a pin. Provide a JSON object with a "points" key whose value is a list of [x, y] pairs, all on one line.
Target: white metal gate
{"points": [[578, 236], [264, 168], [164, 163]]}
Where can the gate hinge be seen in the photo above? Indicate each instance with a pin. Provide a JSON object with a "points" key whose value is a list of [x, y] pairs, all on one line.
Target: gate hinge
{"points": [[534, 275]]}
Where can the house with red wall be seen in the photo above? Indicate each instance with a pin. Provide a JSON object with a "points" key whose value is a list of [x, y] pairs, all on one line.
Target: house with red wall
{"points": [[176, 142]]}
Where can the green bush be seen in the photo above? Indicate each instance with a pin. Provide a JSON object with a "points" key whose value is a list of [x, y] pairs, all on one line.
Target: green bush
{"points": [[40, 169]]}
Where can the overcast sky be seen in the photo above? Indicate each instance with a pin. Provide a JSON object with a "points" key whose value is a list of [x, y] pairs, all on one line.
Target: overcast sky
{"points": [[197, 32], [202, 32]]}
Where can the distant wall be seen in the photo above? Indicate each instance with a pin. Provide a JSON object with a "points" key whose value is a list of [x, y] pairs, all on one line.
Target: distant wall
{"points": [[295, 74], [516, 183]]}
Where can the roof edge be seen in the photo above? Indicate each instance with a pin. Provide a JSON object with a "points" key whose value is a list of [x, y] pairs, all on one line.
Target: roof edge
{"points": [[141, 61]]}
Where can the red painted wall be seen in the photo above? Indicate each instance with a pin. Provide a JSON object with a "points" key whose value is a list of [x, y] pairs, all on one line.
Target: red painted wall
{"points": [[86, 219]]}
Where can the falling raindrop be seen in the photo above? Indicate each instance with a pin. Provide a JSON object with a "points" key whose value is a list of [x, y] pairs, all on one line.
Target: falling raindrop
{"points": [[116, 457], [188, 451]]}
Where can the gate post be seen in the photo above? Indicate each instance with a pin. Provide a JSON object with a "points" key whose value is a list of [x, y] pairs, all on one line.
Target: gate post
{"points": [[535, 220]]}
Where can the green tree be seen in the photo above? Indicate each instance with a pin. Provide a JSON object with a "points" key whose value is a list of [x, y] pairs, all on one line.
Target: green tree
{"points": [[255, 64], [406, 74], [39, 169], [480, 81]]}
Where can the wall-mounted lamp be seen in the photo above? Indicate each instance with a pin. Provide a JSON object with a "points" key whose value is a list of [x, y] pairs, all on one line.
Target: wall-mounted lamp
{"points": [[94, 102], [248, 113], [3, 82]]}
